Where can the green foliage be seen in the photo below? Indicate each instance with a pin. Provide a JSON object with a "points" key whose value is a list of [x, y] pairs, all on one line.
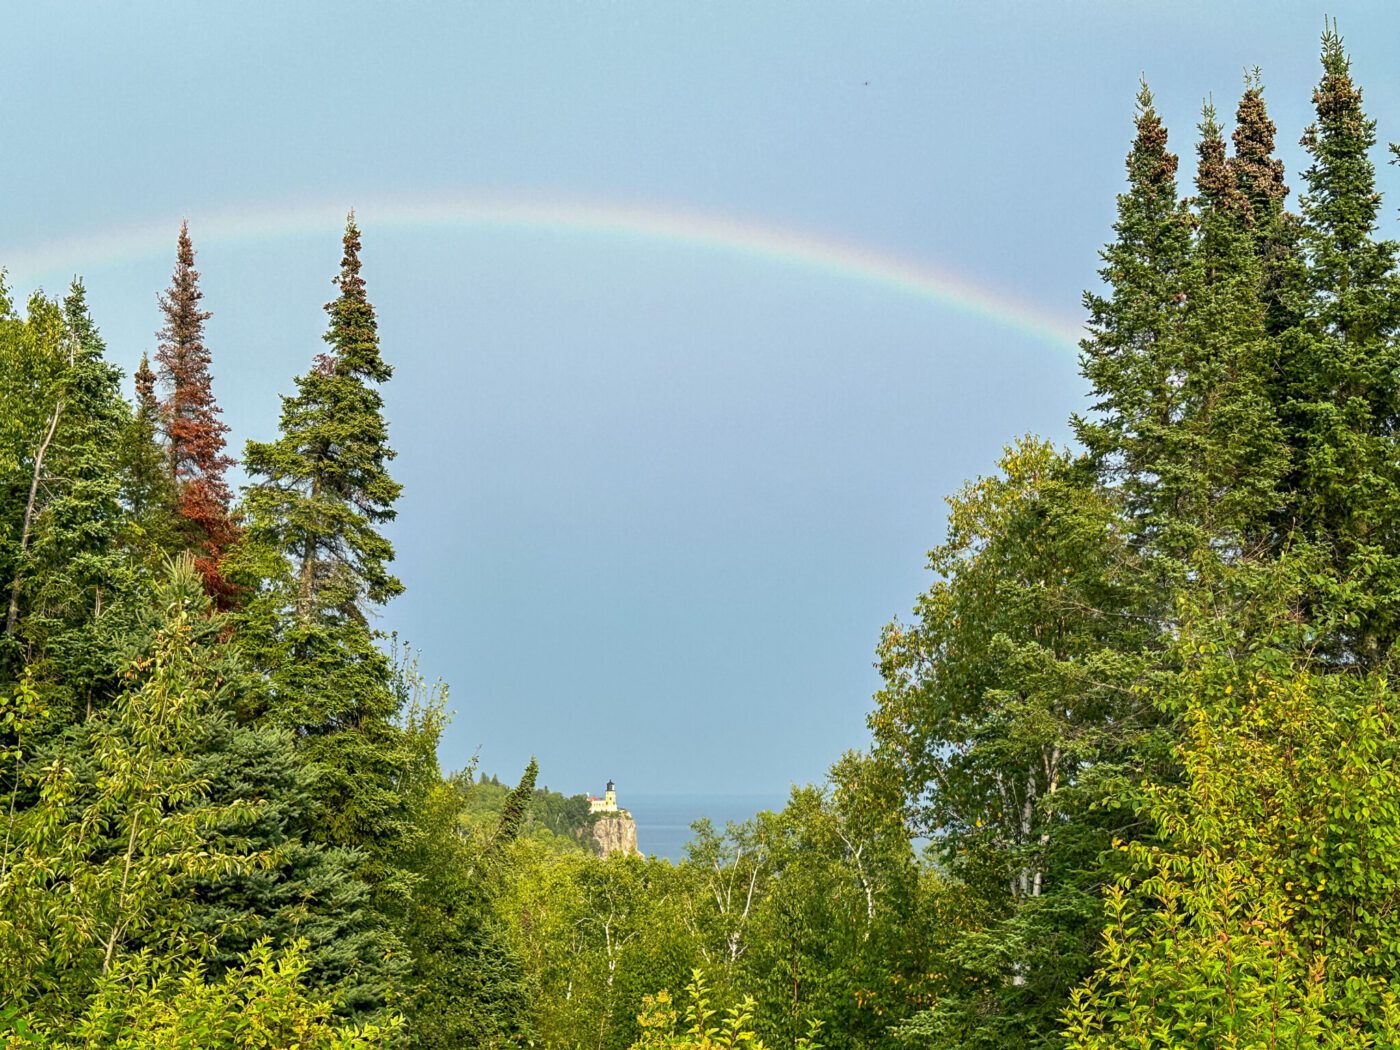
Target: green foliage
{"points": [[148, 488], [311, 560], [261, 1004], [1006, 716], [1265, 914], [325, 484], [306, 890], [1141, 716], [1131, 359], [465, 986], [100, 864], [819, 912], [1337, 366], [517, 807], [704, 1028], [554, 821], [222, 830], [69, 589]]}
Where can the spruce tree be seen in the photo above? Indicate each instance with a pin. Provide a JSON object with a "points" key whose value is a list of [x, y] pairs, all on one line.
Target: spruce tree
{"points": [[1259, 178], [308, 890], [1338, 370], [1185, 430], [315, 562], [327, 487], [71, 590], [1223, 457], [1133, 358], [148, 491], [194, 431], [517, 806]]}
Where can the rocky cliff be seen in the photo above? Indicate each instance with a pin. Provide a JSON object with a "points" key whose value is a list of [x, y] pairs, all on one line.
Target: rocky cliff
{"points": [[614, 833]]}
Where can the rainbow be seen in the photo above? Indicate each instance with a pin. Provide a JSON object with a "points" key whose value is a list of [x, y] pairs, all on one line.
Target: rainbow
{"points": [[835, 257]]}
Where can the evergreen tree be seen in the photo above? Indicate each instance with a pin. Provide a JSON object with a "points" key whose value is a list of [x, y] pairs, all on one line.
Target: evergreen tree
{"points": [[314, 560], [327, 487], [1339, 368], [97, 868], [1133, 359], [308, 890], [68, 596], [1222, 459], [1259, 178], [148, 490], [195, 435], [517, 807]]}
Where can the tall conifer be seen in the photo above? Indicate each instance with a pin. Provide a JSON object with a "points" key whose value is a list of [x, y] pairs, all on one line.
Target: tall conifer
{"points": [[1133, 358], [1222, 458], [147, 488], [327, 485], [1259, 177], [195, 433], [70, 581], [1340, 367], [316, 562]]}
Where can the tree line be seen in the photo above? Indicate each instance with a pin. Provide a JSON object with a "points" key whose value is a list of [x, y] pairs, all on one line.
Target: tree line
{"points": [[1133, 779]]}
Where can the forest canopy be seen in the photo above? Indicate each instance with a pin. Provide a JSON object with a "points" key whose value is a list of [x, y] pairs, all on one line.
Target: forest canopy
{"points": [[1133, 778]]}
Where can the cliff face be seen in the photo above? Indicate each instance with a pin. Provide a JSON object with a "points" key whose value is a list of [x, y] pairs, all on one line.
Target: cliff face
{"points": [[615, 833]]}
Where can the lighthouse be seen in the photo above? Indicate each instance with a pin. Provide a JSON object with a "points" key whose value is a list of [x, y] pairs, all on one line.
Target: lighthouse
{"points": [[606, 804]]}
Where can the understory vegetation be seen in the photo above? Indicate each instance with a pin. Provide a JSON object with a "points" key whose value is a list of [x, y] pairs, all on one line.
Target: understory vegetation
{"points": [[1134, 774]]}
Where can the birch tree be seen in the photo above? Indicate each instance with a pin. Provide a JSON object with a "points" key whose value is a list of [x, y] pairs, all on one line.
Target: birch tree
{"points": [[1007, 701]]}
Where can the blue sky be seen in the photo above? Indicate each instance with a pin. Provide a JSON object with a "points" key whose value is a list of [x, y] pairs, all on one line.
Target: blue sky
{"points": [[659, 499]]}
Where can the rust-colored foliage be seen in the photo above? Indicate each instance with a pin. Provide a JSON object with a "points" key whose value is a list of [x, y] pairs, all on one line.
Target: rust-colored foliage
{"points": [[195, 435]]}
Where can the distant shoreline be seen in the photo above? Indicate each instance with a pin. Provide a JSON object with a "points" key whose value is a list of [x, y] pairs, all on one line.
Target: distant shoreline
{"points": [[663, 818]]}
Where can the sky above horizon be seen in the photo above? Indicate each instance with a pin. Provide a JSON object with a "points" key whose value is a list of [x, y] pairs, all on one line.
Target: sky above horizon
{"points": [[698, 311]]}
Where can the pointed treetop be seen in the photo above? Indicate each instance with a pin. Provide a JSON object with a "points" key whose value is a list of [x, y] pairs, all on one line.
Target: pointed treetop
{"points": [[1337, 98], [1213, 178], [1258, 173], [80, 322], [1341, 204], [146, 387], [184, 247], [354, 332], [184, 294], [184, 321], [350, 260], [193, 427], [327, 484], [1150, 166]]}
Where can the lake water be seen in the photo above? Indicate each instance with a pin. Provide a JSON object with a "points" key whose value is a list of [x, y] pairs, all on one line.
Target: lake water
{"points": [[663, 821]]}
